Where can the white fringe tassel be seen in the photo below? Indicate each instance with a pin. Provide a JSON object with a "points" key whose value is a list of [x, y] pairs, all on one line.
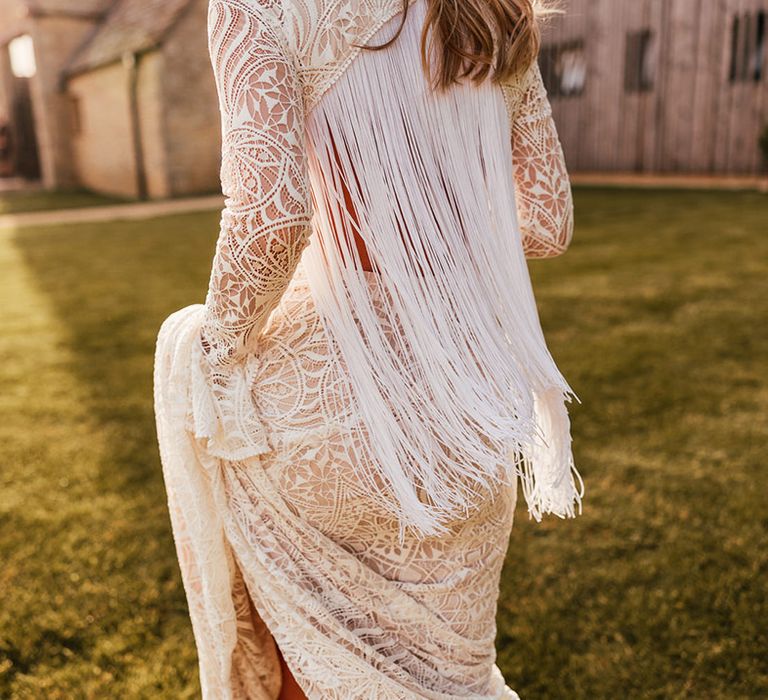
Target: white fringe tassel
{"points": [[471, 398], [549, 471]]}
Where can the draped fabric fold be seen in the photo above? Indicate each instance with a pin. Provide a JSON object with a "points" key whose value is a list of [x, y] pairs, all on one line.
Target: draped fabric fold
{"points": [[347, 627]]}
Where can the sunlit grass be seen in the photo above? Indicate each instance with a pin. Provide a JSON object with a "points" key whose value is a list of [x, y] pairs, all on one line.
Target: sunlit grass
{"points": [[656, 315]]}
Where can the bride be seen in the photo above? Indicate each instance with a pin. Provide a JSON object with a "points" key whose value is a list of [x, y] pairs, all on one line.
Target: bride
{"points": [[344, 422]]}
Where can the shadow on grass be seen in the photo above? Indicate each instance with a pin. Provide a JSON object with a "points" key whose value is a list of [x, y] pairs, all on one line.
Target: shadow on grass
{"points": [[657, 317], [95, 606], [112, 285]]}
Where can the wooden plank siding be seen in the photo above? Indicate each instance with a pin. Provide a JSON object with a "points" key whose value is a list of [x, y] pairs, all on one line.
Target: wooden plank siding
{"points": [[693, 118]]}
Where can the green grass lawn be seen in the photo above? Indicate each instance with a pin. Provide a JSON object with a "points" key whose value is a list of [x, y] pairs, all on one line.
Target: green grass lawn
{"points": [[26, 201], [657, 316]]}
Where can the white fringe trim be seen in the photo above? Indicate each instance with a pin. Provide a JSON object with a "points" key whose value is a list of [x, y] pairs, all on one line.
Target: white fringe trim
{"points": [[444, 356], [548, 474]]}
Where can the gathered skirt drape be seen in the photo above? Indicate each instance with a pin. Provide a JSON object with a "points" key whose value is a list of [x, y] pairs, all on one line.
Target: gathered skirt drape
{"points": [[284, 546]]}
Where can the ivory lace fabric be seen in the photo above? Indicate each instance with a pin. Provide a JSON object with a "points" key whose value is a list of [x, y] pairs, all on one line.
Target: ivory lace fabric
{"points": [[341, 447]]}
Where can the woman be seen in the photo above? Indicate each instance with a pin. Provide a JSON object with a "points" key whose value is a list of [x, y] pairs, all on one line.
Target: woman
{"points": [[343, 422]]}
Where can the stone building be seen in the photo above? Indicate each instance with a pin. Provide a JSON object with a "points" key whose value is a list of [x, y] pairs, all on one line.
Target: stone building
{"points": [[122, 94], [55, 28]]}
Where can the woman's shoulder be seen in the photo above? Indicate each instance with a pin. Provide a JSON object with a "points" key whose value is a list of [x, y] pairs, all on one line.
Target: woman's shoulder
{"points": [[525, 89], [320, 35]]}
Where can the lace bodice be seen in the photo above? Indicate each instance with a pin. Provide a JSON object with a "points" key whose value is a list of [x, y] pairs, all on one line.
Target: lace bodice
{"points": [[267, 81], [274, 63]]}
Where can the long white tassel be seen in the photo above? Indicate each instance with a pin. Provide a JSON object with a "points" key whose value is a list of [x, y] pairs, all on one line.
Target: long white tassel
{"points": [[549, 471]]}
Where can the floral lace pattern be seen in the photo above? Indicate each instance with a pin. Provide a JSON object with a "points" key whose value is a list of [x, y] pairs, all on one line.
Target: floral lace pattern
{"points": [[266, 220], [278, 539], [543, 188]]}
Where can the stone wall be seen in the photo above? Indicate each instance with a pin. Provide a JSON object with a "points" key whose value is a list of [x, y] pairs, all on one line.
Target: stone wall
{"points": [[103, 143], [55, 39], [57, 28], [6, 84], [152, 108], [192, 123], [85, 128]]}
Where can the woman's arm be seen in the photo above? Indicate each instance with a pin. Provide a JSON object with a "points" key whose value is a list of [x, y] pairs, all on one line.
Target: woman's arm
{"points": [[265, 223], [542, 187]]}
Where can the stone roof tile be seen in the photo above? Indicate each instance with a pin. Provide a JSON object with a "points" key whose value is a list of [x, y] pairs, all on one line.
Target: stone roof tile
{"points": [[129, 26]]}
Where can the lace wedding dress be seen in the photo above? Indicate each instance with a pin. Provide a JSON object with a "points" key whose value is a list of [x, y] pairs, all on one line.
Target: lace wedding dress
{"points": [[341, 443]]}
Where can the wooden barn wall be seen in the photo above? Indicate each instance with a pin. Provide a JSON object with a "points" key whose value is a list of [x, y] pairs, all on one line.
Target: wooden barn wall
{"points": [[692, 120]]}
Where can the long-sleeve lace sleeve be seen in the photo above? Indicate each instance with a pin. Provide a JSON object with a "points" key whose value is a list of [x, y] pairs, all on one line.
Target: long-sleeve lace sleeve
{"points": [[542, 187], [265, 223]]}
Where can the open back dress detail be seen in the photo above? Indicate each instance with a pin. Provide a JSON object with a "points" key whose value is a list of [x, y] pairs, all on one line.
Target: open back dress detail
{"points": [[342, 442]]}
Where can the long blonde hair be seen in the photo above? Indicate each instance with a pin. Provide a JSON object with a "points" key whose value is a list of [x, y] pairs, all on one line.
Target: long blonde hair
{"points": [[478, 38]]}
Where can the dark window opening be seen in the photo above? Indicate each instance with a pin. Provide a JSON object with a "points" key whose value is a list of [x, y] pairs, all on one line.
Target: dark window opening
{"points": [[735, 34], [564, 68], [748, 47], [758, 56], [640, 61]]}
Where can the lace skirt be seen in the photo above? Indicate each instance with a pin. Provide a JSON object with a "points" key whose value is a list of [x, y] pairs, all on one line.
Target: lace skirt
{"points": [[285, 546]]}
